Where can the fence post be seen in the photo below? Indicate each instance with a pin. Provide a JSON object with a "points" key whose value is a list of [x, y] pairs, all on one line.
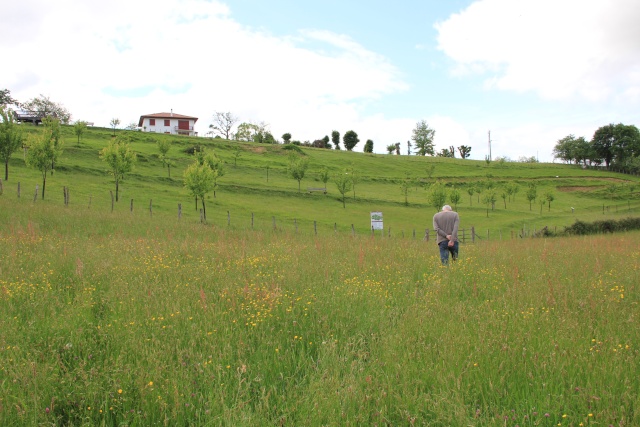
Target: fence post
{"points": [[335, 227], [252, 220], [473, 234], [426, 234], [414, 233], [353, 230], [228, 218], [18, 190], [487, 234], [35, 196], [64, 195], [131, 208], [315, 227], [179, 211], [150, 207], [463, 235], [389, 232], [201, 216]]}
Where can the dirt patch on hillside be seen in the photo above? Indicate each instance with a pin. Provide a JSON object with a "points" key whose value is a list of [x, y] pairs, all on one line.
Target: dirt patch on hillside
{"points": [[258, 150]]}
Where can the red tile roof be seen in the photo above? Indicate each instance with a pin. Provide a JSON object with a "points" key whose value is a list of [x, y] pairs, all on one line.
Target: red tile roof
{"points": [[166, 116]]}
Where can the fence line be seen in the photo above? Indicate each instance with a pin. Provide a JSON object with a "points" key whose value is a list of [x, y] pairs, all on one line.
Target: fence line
{"points": [[464, 235]]}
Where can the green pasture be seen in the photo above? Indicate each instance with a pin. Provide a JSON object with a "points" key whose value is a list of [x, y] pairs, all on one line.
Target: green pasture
{"points": [[256, 182], [127, 319]]}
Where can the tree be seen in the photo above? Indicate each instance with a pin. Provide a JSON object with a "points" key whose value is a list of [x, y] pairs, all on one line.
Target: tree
{"points": [[489, 199], [465, 151], [6, 99], [164, 146], [326, 140], [532, 193], [565, 149], [355, 178], [471, 189], [11, 137], [223, 123], [391, 148], [445, 152], [335, 139], [626, 143], [324, 177], [343, 183], [408, 148], [213, 162], [237, 152], [423, 138], [120, 158], [286, 138], [199, 180], [114, 123], [504, 195], [55, 132], [397, 148], [368, 146], [43, 153], [78, 129], [549, 197], [297, 168], [454, 197], [405, 188], [44, 107], [350, 139], [437, 195]]}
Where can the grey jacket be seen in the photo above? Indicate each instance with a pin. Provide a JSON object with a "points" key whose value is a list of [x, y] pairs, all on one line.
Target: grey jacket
{"points": [[446, 223]]}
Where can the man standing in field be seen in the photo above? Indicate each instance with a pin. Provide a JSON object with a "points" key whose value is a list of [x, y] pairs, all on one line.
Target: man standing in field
{"points": [[446, 225]]}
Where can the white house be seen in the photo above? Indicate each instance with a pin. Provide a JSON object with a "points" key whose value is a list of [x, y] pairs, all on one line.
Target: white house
{"points": [[173, 123]]}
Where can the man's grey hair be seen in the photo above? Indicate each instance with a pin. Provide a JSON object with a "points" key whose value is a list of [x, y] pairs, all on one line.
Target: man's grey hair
{"points": [[446, 208]]}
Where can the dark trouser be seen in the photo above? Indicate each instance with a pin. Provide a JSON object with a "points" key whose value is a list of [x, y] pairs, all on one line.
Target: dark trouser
{"points": [[445, 250]]}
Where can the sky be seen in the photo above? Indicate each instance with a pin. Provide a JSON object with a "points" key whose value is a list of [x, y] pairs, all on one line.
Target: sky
{"points": [[530, 72]]}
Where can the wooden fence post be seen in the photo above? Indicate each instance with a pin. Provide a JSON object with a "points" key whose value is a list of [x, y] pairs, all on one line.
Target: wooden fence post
{"points": [[179, 211], [228, 218], [414, 233], [473, 234], [35, 196], [389, 232], [426, 235], [150, 207], [131, 205], [18, 190], [252, 220], [315, 227], [353, 230], [335, 227]]}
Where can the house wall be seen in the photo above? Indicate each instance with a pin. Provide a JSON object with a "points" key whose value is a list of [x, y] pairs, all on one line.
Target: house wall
{"points": [[161, 128]]}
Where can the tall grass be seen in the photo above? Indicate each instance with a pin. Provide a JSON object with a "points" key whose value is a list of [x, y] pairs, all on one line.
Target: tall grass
{"points": [[130, 320]]}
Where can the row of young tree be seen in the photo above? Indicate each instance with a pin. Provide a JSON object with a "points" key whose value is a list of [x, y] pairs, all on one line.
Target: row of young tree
{"points": [[616, 146]]}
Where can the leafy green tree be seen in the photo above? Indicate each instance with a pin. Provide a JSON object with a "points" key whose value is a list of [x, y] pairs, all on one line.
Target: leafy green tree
{"points": [[324, 177], [465, 151], [6, 99], [52, 124], [120, 158], [423, 139], [350, 139], [565, 149], [297, 168], [368, 146], [43, 153], [343, 184], [430, 170], [11, 138], [79, 128], [471, 189], [355, 179], [164, 146], [532, 193], [114, 123], [199, 179], [504, 195], [391, 148], [455, 197], [335, 139], [223, 123], [237, 152], [489, 199], [213, 162], [44, 107], [626, 143], [286, 137], [549, 197], [512, 188], [326, 140], [437, 195]]}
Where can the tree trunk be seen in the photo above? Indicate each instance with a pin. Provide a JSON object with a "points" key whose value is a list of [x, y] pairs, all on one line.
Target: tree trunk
{"points": [[44, 181], [6, 169], [204, 210], [117, 189]]}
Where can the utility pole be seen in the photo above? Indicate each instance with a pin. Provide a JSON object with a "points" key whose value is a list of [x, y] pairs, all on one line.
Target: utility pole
{"points": [[490, 146]]}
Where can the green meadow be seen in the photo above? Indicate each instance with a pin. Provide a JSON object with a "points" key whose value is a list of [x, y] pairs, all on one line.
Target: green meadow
{"points": [[138, 318]]}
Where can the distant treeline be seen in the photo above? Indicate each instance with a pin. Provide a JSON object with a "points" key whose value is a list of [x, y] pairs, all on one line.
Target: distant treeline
{"points": [[580, 228]]}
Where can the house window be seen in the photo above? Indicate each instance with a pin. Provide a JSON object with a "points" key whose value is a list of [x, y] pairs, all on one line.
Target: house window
{"points": [[152, 122], [167, 123]]}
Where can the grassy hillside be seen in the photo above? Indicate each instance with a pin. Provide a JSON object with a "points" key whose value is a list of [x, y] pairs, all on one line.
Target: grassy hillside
{"points": [[256, 182]]}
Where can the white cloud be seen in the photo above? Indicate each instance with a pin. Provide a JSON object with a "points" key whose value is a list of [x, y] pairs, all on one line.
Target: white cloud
{"points": [[559, 49], [123, 59]]}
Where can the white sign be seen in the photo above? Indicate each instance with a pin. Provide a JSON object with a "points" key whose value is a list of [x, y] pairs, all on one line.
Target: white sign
{"points": [[376, 221]]}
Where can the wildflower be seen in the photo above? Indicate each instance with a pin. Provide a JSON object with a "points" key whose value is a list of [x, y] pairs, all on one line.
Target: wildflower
{"points": [[150, 383], [119, 391]]}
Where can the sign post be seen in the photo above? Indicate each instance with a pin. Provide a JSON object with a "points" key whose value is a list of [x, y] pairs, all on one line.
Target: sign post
{"points": [[376, 221]]}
